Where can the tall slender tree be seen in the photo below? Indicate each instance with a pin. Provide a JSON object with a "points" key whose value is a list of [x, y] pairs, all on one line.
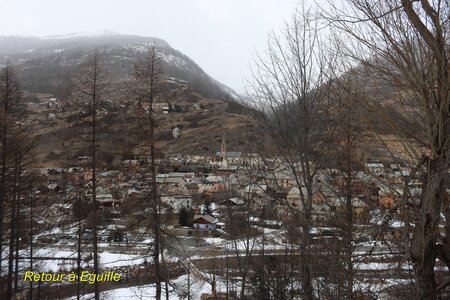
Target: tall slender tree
{"points": [[290, 85], [15, 144], [91, 88], [10, 95], [148, 78], [11, 156], [344, 161]]}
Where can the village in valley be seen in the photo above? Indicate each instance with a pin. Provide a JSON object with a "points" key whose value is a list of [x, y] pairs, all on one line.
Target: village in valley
{"points": [[309, 160], [223, 216], [232, 205]]}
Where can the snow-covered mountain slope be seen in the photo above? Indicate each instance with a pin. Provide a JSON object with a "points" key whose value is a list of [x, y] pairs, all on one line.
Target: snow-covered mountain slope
{"points": [[54, 59]]}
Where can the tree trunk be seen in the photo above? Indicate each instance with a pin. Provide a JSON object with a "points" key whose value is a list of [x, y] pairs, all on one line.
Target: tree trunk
{"points": [[2, 191], [16, 224], [148, 77], [5, 146], [423, 245], [94, 177], [155, 201], [12, 234], [349, 207], [305, 262], [348, 241], [31, 240], [79, 251]]}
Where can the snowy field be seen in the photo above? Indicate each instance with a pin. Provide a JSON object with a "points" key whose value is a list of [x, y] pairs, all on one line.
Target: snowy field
{"points": [[177, 290]]}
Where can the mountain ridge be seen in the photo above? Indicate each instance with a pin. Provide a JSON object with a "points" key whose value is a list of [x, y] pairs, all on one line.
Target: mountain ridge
{"points": [[21, 50], [47, 69]]}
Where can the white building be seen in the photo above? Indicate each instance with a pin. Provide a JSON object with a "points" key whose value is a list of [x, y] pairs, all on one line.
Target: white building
{"points": [[52, 103], [176, 132], [177, 202]]}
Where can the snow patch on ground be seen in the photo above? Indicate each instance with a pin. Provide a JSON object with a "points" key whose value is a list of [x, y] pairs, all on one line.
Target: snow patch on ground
{"points": [[108, 259], [178, 289]]}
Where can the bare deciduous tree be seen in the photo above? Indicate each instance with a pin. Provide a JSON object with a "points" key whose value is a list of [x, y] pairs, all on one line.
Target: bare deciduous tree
{"points": [[16, 144], [91, 90], [344, 160], [148, 79], [406, 43], [290, 85], [10, 94]]}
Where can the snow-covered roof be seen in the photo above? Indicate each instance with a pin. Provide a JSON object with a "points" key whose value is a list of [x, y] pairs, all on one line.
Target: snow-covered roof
{"points": [[207, 218]]}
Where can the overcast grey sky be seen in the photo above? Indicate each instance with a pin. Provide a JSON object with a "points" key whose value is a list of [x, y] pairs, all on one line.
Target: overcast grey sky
{"points": [[220, 35]]}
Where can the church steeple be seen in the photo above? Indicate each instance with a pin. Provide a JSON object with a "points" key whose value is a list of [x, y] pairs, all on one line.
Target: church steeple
{"points": [[223, 147]]}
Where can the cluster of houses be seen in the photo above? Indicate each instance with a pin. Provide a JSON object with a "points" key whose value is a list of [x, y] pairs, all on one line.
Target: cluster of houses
{"points": [[271, 193], [240, 184]]}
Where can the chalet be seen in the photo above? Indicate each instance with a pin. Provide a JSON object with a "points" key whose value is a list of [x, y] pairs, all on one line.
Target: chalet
{"points": [[203, 225]]}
